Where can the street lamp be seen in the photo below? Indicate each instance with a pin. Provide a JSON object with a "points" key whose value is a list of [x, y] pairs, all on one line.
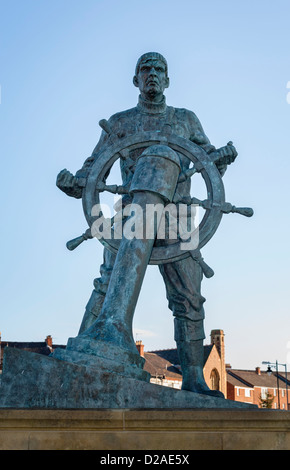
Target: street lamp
{"points": [[269, 372]]}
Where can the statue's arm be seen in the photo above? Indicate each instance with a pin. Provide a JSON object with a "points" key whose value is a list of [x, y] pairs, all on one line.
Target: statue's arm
{"points": [[222, 156], [73, 185]]}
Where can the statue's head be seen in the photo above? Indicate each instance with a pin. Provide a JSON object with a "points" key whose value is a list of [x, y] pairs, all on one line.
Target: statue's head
{"points": [[151, 76]]}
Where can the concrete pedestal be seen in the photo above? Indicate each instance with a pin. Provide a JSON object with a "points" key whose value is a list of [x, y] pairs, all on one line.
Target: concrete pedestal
{"points": [[144, 430]]}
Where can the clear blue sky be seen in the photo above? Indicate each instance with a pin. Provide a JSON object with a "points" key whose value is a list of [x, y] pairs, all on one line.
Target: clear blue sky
{"points": [[65, 65]]}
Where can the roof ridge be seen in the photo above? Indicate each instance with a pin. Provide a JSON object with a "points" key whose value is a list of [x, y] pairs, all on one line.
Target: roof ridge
{"points": [[249, 370], [239, 378]]}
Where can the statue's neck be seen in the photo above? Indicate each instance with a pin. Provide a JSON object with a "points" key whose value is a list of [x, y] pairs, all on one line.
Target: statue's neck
{"points": [[150, 107]]}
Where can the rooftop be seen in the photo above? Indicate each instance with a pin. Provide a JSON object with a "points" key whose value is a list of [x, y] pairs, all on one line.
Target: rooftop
{"points": [[255, 378]]}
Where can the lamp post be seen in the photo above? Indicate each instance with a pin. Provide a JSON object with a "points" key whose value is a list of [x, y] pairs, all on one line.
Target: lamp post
{"points": [[269, 372]]}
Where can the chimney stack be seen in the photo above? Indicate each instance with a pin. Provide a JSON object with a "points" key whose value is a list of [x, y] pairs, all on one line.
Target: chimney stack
{"points": [[218, 339], [48, 341], [258, 370], [140, 347]]}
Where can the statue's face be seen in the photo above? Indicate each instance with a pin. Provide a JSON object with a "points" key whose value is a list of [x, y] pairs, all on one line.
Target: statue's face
{"points": [[152, 79]]}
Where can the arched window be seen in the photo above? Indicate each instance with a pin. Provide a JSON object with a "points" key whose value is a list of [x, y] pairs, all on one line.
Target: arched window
{"points": [[214, 380]]}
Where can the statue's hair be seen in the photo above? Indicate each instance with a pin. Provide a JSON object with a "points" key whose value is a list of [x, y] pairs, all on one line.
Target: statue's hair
{"points": [[150, 55]]}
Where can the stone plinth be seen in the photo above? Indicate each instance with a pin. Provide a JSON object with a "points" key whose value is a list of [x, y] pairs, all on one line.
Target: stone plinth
{"points": [[144, 430], [31, 380]]}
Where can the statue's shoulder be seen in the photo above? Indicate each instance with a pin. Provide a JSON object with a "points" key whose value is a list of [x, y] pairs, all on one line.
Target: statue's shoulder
{"points": [[186, 114], [121, 115]]}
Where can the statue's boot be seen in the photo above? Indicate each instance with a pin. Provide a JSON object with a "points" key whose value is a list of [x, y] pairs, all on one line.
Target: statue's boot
{"points": [[191, 361]]}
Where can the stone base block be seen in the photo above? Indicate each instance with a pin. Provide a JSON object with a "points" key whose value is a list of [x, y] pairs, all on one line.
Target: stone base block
{"points": [[31, 380], [144, 430]]}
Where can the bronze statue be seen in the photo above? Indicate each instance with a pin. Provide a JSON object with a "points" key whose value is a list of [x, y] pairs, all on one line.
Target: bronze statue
{"points": [[160, 148]]}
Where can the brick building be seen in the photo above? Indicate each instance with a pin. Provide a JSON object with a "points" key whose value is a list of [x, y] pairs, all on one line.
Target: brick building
{"points": [[258, 387]]}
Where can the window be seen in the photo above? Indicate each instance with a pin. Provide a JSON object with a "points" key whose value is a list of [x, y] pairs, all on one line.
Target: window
{"points": [[238, 392], [247, 392], [264, 391], [283, 393], [214, 380]]}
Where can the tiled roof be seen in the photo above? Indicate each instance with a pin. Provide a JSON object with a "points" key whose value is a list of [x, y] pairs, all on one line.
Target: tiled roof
{"points": [[250, 378], [236, 381], [159, 366], [169, 355], [37, 347]]}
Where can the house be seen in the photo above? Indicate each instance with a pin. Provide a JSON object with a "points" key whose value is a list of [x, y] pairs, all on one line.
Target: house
{"points": [[258, 387]]}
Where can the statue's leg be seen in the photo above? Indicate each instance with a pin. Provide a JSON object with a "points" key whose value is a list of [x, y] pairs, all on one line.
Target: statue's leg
{"points": [[95, 303], [183, 283], [153, 185]]}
